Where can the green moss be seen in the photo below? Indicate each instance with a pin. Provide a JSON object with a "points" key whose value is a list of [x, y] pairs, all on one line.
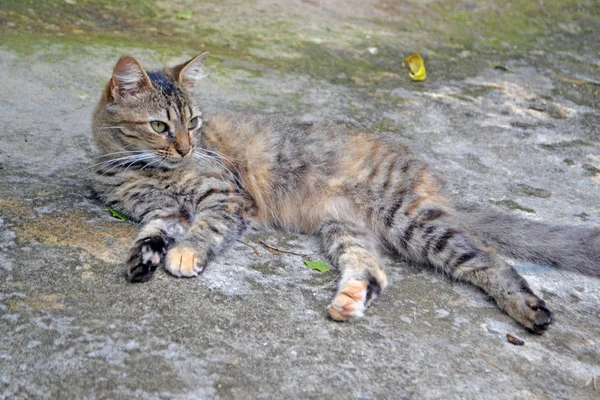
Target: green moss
{"points": [[491, 32], [583, 216], [59, 16], [389, 125], [268, 268], [510, 26], [512, 205], [580, 92], [566, 144], [527, 190], [590, 170]]}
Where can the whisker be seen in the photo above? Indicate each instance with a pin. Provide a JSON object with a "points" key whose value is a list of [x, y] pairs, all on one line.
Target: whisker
{"points": [[105, 163], [219, 167], [204, 154], [129, 160], [224, 157], [143, 158], [159, 164], [122, 152], [156, 160]]}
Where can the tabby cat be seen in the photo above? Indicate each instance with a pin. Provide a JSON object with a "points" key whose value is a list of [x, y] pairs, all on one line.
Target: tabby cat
{"points": [[195, 183]]}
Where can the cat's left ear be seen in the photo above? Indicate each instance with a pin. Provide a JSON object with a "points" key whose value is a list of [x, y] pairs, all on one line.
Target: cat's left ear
{"points": [[189, 72]]}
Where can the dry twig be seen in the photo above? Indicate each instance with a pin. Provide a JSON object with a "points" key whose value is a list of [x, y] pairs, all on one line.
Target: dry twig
{"points": [[269, 247], [256, 252]]}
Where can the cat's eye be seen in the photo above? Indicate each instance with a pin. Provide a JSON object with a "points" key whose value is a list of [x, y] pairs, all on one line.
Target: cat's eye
{"points": [[159, 126], [193, 123]]}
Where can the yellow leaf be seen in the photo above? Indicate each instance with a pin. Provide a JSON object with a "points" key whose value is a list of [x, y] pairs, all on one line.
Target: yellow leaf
{"points": [[416, 67]]}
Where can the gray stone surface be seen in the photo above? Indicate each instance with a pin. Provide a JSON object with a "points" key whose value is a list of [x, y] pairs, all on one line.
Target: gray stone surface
{"points": [[254, 325]]}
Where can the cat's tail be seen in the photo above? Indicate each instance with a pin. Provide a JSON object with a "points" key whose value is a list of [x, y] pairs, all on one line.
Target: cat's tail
{"points": [[568, 247]]}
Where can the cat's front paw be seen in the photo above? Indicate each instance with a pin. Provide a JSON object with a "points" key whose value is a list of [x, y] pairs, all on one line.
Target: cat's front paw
{"points": [[145, 257], [184, 260], [350, 302]]}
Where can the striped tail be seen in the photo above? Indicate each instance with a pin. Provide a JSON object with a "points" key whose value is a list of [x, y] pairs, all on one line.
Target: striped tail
{"points": [[568, 247]]}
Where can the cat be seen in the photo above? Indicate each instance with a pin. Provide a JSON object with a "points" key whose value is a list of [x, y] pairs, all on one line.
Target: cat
{"points": [[195, 183]]}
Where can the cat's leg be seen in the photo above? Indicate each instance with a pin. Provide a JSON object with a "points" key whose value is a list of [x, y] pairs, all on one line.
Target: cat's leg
{"points": [[353, 250], [220, 219], [429, 234], [151, 245]]}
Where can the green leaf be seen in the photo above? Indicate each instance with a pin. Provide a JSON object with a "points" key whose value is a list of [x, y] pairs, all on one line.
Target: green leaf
{"points": [[185, 15], [317, 266], [118, 215]]}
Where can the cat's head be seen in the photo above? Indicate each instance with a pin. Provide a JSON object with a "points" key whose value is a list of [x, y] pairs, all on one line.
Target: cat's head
{"points": [[149, 117]]}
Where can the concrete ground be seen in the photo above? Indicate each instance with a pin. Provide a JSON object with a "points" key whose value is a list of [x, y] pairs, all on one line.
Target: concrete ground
{"points": [[509, 115]]}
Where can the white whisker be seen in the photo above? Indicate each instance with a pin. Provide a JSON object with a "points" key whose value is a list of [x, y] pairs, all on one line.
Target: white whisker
{"points": [[128, 160], [104, 163]]}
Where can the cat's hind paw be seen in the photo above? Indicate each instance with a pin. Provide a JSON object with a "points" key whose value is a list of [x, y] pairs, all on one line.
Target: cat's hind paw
{"points": [[184, 261], [145, 257], [531, 312], [350, 302]]}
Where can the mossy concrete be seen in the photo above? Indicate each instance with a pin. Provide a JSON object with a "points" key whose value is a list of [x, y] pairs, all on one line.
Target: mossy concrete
{"points": [[509, 115]]}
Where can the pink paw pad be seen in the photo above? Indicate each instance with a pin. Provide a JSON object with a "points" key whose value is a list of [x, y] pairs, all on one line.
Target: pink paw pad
{"points": [[350, 302]]}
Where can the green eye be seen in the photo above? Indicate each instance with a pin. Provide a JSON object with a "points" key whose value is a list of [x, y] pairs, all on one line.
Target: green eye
{"points": [[193, 123], [159, 126]]}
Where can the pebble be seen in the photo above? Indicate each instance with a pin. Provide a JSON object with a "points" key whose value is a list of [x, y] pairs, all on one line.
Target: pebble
{"points": [[33, 344]]}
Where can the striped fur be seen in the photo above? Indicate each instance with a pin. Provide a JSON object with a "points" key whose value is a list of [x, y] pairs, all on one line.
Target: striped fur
{"points": [[194, 190]]}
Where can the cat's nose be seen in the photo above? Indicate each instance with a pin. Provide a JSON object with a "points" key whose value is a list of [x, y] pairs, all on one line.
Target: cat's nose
{"points": [[183, 151]]}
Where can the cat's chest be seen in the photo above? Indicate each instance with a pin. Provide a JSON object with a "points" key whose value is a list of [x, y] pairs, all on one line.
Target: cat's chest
{"points": [[181, 184], [175, 185]]}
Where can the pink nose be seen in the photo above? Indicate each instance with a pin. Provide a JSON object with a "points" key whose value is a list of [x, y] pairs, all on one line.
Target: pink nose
{"points": [[183, 151]]}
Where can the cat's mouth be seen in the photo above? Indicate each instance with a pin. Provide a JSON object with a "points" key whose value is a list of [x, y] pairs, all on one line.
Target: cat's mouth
{"points": [[171, 164], [172, 159]]}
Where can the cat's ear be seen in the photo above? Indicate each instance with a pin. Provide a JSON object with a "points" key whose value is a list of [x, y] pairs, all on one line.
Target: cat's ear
{"points": [[189, 72], [129, 79]]}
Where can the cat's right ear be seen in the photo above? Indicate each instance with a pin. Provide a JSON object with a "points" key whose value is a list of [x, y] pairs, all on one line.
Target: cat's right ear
{"points": [[189, 72], [128, 79]]}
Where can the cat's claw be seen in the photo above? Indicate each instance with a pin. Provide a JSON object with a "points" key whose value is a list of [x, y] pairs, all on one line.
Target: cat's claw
{"points": [[350, 302], [183, 261]]}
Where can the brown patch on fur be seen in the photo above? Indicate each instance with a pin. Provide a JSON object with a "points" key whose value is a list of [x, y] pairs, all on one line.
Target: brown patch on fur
{"points": [[256, 176], [489, 250], [307, 220], [106, 96], [307, 212], [107, 241], [428, 189], [183, 220], [218, 133], [359, 150], [257, 182]]}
